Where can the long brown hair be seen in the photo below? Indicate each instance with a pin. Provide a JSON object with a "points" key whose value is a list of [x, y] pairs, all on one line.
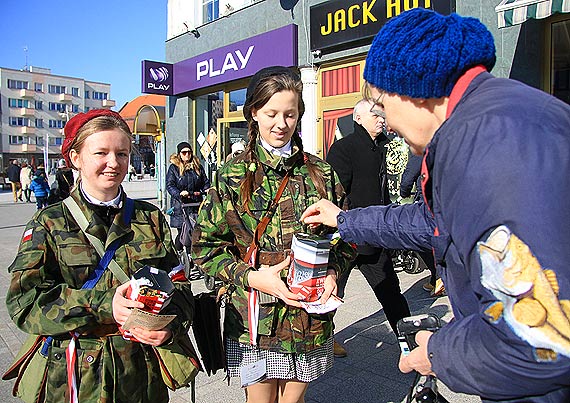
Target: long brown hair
{"points": [[192, 165], [263, 92]]}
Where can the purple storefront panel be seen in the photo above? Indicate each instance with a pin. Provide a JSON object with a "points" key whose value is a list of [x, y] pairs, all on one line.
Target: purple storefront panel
{"points": [[157, 78], [238, 60]]}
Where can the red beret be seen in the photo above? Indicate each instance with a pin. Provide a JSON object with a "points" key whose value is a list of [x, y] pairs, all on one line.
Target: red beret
{"points": [[75, 123]]}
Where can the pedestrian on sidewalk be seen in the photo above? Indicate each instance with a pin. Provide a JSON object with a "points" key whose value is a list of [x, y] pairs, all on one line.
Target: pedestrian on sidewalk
{"points": [[14, 177], [26, 175], [499, 230], [40, 187], [56, 258], [365, 180]]}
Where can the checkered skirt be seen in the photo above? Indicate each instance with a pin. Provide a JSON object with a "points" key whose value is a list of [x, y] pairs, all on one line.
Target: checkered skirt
{"points": [[305, 367]]}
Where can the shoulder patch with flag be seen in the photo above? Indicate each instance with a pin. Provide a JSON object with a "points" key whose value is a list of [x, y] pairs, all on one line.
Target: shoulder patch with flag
{"points": [[27, 235]]}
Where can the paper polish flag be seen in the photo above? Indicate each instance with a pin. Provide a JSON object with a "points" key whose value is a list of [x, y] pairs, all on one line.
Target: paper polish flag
{"points": [[27, 235]]}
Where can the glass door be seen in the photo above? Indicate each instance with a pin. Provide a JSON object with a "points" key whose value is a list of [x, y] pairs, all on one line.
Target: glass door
{"points": [[230, 131]]}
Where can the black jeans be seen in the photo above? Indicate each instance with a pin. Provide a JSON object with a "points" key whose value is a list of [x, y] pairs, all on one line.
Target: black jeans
{"points": [[380, 275]]}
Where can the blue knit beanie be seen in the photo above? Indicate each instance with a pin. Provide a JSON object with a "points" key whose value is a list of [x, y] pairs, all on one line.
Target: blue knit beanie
{"points": [[421, 54]]}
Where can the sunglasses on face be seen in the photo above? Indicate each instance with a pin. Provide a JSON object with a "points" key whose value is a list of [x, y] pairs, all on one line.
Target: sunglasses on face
{"points": [[185, 152]]}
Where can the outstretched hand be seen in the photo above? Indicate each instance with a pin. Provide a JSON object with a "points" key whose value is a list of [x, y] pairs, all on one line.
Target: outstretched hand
{"points": [[268, 280], [322, 212]]}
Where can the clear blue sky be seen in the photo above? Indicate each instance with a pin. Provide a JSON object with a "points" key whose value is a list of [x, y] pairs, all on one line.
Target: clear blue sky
{"points": [[101, 41]]}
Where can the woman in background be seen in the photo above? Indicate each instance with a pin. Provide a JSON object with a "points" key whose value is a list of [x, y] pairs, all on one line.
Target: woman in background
{"points": [[186, 182]]}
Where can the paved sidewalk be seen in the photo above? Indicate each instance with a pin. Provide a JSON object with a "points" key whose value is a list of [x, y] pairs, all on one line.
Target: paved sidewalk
{"points": [[368, 374]]}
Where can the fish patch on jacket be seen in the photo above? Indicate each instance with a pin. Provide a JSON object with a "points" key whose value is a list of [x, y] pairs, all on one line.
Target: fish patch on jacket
{"points": [[527, 294]]}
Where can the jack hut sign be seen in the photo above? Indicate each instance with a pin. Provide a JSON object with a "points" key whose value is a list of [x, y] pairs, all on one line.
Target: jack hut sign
{"points": [[338, 23]]}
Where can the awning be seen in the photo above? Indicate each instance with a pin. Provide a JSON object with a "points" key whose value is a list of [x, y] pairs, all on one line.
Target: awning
{"points": [[513, 12]]}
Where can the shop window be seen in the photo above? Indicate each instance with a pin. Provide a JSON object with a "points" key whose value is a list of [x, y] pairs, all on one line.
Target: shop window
{"points": [[561, 60], [237, 99], [344, 80]]}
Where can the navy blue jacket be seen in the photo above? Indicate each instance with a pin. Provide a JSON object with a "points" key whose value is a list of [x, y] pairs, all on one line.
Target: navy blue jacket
{"points": [[189, 181], [501, 158]]}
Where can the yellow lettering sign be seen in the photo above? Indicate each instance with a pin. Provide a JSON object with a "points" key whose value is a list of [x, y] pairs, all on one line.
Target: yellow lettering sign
{"points": [[394, 7], [366, 14], [338, 20], [352, 23]]}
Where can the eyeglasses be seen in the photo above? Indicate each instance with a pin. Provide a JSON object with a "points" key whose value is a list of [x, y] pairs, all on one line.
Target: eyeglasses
{"points": [[184, 152], [378, 106]]}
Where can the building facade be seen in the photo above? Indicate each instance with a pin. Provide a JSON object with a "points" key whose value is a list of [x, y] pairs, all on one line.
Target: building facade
{"points": [[212, 52], [34, 107]]}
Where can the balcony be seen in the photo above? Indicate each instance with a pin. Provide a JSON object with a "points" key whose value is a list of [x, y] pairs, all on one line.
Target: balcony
{"points": [[27, 130], [28, 148], [108, 103], [26, 112], [24, 93], [65, 98]]}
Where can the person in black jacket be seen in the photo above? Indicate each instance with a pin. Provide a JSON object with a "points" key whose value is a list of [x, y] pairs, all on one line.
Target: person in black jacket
{"points": [[360, 162], [14, 177], [186, 182]]}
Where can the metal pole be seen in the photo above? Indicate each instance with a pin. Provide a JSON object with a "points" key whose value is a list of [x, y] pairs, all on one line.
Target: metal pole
{"points": [[46, 154]]}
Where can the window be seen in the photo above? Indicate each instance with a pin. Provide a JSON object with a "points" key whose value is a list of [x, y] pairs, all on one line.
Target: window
{"points": [[56, 124], [39, 105], [40, 123], [54, 106], [16, 121], [211, 10], [86, 94], [237, 100], [87, 109], [75, 91], [18, 103], [17, 84], [99, 95], [38, 87], [561, 60], [75, 108], [55, 141], [39, 141], [17, 140], [56, 89]]}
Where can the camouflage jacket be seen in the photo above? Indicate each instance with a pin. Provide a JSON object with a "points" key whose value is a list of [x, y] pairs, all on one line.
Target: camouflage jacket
{"points": [[45, 298], [224, 230]]}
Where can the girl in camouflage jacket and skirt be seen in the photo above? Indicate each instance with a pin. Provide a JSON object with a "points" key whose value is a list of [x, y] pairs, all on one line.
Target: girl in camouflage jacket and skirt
{"points": [[291, 346]]}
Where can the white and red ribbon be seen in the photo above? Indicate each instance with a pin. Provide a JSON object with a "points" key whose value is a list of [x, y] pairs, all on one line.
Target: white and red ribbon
{"points": [[71, 358], [252, 305]]}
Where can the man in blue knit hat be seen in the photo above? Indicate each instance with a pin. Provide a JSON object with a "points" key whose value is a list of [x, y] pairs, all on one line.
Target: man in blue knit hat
{"points": [[496, 212]]}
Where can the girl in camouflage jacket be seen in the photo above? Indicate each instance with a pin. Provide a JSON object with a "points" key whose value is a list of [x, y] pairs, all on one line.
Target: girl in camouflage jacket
{"points": [[300, 344], [55, 259]]}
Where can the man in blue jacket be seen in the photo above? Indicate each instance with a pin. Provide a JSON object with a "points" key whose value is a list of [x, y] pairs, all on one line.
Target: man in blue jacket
{"points": [[496, 212]]}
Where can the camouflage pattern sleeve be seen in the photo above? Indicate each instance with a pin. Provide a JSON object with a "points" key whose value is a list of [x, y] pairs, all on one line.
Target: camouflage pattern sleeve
{"points": [[39, 300], [213, 237]]}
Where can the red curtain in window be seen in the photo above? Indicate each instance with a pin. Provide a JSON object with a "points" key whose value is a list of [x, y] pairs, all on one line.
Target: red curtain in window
{"points": [[330, 119], [341, 81]]}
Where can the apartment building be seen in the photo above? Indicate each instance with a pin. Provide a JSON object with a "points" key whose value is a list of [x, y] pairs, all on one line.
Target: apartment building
{"points": [[34, 107]]}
